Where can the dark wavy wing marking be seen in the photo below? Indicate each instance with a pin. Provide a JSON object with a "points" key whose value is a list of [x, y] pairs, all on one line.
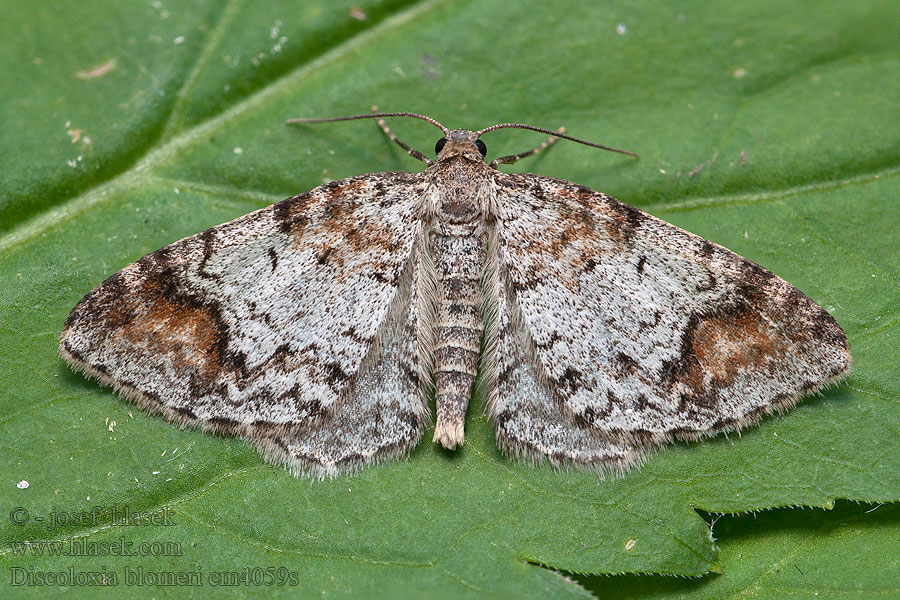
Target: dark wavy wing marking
{"points": [[631, 331], [259, 326]]}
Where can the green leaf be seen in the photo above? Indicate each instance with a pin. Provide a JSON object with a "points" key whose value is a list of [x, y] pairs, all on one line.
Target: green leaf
{"points": [[770, 128], [850, 552]]}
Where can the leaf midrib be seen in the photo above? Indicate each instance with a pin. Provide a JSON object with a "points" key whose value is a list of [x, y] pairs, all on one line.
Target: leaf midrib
{"points": [[204, 129]]}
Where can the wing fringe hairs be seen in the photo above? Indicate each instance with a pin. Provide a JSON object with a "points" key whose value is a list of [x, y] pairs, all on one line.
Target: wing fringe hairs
{"points": [[317, 328]]}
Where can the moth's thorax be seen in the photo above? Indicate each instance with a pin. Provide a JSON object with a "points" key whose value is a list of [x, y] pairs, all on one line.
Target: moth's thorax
{"points": [[460, 194]]}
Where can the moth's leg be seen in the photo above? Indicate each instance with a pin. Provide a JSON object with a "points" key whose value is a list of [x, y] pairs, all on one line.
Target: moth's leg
{"points": [[411, 151], [514, 157]]}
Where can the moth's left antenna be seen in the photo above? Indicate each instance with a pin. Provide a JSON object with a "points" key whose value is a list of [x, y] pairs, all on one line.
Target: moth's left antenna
{"points": [[373, 116], [387, 130]]}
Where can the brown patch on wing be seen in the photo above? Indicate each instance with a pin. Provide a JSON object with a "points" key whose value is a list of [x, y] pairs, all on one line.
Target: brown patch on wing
{"points": [[330, 220], [574, 243], [571, 240], [329, 208], [341, 200], [344, 232], [187, 334], [586, 225], [726, 346], [619, 220]]}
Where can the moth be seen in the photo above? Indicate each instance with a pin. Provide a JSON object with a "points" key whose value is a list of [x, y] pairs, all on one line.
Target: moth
{"points": [[320, 327]]}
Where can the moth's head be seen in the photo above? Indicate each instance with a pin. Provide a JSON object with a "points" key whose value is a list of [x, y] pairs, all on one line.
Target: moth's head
{"points": [[461, 142]]}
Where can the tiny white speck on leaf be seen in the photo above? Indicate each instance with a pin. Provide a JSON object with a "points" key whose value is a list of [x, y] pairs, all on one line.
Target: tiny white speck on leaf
{"points": [[98, 70], [23, 485], [178, 40], [621, 29], [738, 73], [630, 544], [238, 150]]}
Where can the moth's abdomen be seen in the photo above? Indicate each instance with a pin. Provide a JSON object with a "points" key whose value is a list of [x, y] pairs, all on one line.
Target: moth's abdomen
{"points": [[459, 263]]}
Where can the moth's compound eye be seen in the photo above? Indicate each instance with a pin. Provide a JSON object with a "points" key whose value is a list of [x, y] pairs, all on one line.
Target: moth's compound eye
{"points": [[440, 145], [481, 147]]}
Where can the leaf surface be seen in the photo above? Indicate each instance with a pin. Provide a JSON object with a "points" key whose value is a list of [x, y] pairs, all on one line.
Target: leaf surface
{"points": [[770, 128]]}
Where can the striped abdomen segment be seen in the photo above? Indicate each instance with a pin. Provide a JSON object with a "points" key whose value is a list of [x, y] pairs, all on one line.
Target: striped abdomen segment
{"points": [[459, 263]]}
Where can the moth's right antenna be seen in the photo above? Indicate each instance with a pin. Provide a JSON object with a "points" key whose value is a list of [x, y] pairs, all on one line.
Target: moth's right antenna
{"points": [[555, 134]]}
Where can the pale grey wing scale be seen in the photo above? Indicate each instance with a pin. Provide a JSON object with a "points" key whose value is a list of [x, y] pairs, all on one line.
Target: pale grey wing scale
{"points": [[385, 411], [623, 331], [527, 416], [268, 325]]}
